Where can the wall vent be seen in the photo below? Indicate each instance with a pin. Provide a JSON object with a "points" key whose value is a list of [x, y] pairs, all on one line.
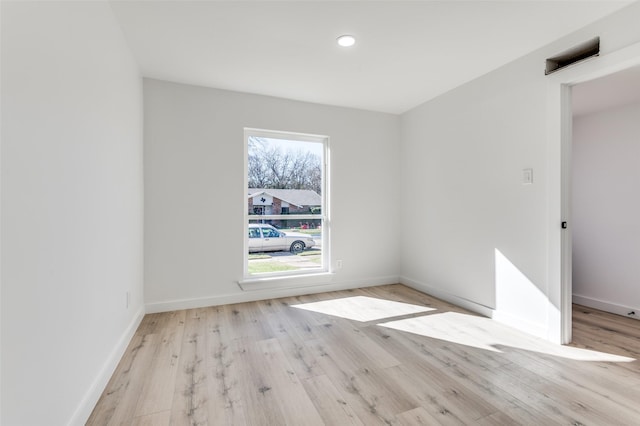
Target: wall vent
{"points": [[575, 54]]}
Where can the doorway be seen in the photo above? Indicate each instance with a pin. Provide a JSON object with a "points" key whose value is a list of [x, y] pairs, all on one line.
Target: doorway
{"points": [[560, 119], [605, 181]]}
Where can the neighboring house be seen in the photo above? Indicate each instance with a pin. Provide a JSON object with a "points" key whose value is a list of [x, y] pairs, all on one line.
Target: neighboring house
{"points": [[282, 201], [263, 201]]}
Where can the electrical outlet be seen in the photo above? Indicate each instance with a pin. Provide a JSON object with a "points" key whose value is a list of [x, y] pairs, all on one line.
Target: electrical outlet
{"points": [[338, 264]]}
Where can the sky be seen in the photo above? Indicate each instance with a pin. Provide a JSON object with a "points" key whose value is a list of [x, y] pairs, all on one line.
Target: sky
{"points": [[314, 147]]}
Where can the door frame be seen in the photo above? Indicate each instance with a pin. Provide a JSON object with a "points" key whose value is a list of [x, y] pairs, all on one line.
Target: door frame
{"points": [[560, 120]]}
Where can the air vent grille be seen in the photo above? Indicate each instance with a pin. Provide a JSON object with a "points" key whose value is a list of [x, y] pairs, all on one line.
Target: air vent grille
{"points": [[575, 54]]}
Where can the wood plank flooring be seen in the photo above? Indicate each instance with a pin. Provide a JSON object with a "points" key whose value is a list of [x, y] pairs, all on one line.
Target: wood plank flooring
{"points": [[384, 355]]}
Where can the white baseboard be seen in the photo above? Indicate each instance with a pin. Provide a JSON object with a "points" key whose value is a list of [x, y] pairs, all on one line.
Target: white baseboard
{"points": [[253, 295], [606, 306], [82, 413], [447, 297]]}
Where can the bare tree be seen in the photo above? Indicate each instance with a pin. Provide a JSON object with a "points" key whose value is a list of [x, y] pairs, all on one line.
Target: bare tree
{"points": [[270, 166], [258, 173]]}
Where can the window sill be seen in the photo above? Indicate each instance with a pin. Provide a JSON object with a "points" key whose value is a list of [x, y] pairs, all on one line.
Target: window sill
{"points": [[283, 282]]}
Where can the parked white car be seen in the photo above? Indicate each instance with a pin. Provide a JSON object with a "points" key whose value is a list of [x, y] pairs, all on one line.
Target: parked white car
{"points": [[263, 237]]}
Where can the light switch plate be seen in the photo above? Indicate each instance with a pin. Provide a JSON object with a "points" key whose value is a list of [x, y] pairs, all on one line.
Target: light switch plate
{"points": [[527, 176]]}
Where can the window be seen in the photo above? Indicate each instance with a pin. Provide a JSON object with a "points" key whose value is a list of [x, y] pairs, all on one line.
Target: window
{"points": [[286, 205]]}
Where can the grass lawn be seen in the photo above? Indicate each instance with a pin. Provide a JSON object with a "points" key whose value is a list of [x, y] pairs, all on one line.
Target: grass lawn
{"points": [[262, 267], [259, 256], [310, 253], [302, 231], [314, 256]]}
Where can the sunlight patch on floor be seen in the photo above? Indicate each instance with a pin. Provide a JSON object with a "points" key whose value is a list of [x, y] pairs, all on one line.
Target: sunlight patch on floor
{"points": [[363, 308], [485, 333]]}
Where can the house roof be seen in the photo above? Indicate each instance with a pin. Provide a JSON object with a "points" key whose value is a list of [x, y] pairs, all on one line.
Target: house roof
{"points": [[297, 197]]}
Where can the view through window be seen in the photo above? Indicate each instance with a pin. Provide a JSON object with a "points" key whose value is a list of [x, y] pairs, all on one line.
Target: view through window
{"points": [[286, 203]]}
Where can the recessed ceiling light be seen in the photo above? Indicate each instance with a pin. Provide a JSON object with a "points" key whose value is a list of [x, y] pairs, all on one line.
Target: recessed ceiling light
{"points": [[346, 40]]}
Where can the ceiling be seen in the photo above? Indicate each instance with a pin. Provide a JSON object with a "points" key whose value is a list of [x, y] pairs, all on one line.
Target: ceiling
{"points": [[614, 90], [407, 52]]}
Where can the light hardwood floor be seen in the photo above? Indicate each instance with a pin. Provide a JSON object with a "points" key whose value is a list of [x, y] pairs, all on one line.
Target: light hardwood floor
{"points": [[385, 355]]}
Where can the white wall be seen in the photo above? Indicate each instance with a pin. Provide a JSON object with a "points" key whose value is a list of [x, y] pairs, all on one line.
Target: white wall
{"points": [[71, 207], [485, 237], [194, 176], [606, 209], [462, 161]]}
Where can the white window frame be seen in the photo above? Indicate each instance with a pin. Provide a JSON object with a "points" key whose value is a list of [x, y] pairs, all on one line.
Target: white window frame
{"points": [[296, 278]]}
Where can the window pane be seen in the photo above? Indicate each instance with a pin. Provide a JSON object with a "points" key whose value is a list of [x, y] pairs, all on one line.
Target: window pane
{"points": [[285, 202]]}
